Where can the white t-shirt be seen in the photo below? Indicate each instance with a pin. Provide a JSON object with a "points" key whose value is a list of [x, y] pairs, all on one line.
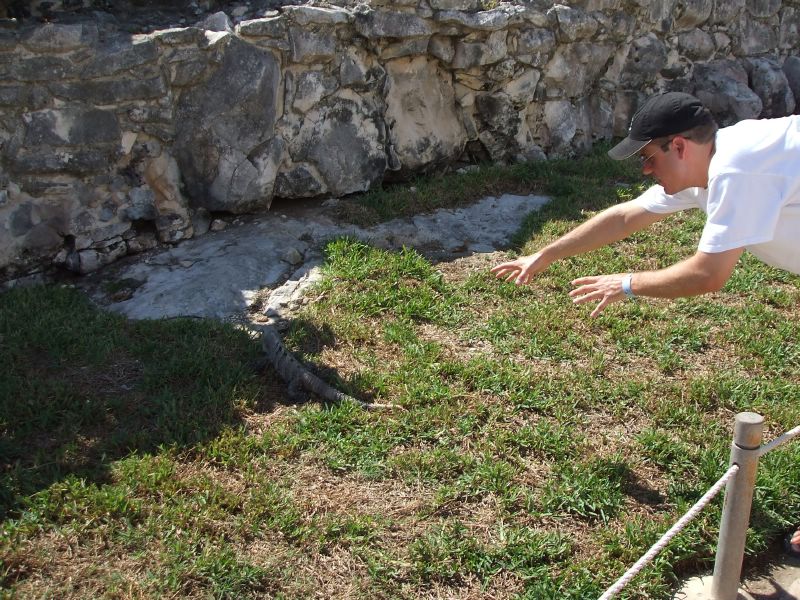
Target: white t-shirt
{"points": [[753, 195]]}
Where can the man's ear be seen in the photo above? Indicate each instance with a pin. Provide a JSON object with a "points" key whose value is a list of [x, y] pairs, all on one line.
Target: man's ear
{"points": [[679, 145]]}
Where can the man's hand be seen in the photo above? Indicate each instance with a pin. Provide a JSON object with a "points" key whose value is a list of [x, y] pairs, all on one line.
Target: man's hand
{"points": [[522, 270], [604, 289]]}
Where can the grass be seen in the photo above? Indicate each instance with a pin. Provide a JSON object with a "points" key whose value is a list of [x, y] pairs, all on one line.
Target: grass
{"points": [[540, 452]]}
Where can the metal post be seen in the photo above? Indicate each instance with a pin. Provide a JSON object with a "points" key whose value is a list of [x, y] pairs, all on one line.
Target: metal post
{"points": [[747, 433]]}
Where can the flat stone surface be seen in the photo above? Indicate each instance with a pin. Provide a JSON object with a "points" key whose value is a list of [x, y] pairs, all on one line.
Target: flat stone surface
{"points": [[778, 580], [220, 274]]}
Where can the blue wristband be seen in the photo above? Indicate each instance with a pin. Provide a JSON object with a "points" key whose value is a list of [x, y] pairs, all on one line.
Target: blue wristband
{"points": [[626, 285]]}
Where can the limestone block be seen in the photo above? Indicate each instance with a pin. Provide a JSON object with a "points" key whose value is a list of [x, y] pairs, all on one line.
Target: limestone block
{"points": [[521, 89], [314, 15], [474, 54], [376, 24], [177, 36], [189, 72], [495, 19], [65, 161], [311, 87], [25, 97], [502, 122], [763, 8], [769, 82], [354, 67], [755, 37], [344, 140], [110, 91], [312, 46], [424, 126], [791, 68], [272, 27], [617, 26], [789, 32], [467, 5], [218, 21], [119, 57], [691, 13], [575, 67], [660, 13], [172, 214], [60, 37], [71, 126], [560, 117], [41, 68], [504, 70], [141, 205], [574, 24], [722, 86], [647, 56], [8, 40], [229, 116], [536, 44], [409, 47], [727, 12], [696, 44], [442, 48], [301, 181]]}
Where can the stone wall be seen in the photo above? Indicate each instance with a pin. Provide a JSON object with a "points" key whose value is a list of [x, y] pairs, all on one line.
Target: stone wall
{"points": [[112, 142]]}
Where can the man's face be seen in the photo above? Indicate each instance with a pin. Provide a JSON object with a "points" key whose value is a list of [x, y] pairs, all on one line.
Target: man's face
{"points": [[659, 163]]}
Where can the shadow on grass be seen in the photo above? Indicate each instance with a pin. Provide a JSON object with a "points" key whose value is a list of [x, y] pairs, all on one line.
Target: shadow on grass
{"points": [[81, 387]]}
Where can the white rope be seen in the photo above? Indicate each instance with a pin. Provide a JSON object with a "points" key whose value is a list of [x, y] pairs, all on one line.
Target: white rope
{"points": [[778, 441], [673, 531]]}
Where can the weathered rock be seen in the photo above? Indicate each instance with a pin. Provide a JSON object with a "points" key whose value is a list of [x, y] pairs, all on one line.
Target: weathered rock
{"points": [[423, 128], [646, 58], [574, 24], [575, 67], [375, 24], [344, 139], [315, 15], [312, 46], [475, 54], [300, 182], [791, 68], [769, 82], [55, 37], [311, 87], [691, 13], [224, 141], [171, 208], [763, 8], [696, 44], [755, 38], [535, 46], [722, 87], [727, 12], [789, 33]]}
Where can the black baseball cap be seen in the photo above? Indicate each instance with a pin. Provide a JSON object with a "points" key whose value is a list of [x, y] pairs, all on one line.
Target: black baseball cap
{"points": [[661, 115]]}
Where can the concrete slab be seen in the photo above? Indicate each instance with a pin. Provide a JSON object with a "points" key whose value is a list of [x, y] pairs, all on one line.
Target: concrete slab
{"points": [[219, 275]]}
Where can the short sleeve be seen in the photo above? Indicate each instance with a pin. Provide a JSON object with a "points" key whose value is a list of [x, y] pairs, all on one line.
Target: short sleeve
{"points": [[656, 200]]}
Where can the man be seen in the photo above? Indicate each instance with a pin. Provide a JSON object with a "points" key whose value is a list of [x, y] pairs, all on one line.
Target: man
{"points": [[746, 178]]}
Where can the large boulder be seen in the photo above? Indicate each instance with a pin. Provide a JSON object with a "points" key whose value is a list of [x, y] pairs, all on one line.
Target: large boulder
{"points": [[344, 139], [722, 86], [421, 113], [224, 142], [769, 82]]}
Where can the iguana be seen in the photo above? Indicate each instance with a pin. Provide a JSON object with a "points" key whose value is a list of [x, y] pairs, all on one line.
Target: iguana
{"points": [[298, 376]]}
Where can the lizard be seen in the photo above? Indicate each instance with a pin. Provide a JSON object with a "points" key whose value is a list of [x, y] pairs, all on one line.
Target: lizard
{"points": [[298, 376]]}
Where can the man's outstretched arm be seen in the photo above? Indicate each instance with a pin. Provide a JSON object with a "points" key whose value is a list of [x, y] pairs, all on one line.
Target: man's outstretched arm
{"points": [[699, 274], [611, 225]]}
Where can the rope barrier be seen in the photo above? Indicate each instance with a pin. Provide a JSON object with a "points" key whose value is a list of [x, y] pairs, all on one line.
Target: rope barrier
{"points": [[779, 441], [673, 531]]}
